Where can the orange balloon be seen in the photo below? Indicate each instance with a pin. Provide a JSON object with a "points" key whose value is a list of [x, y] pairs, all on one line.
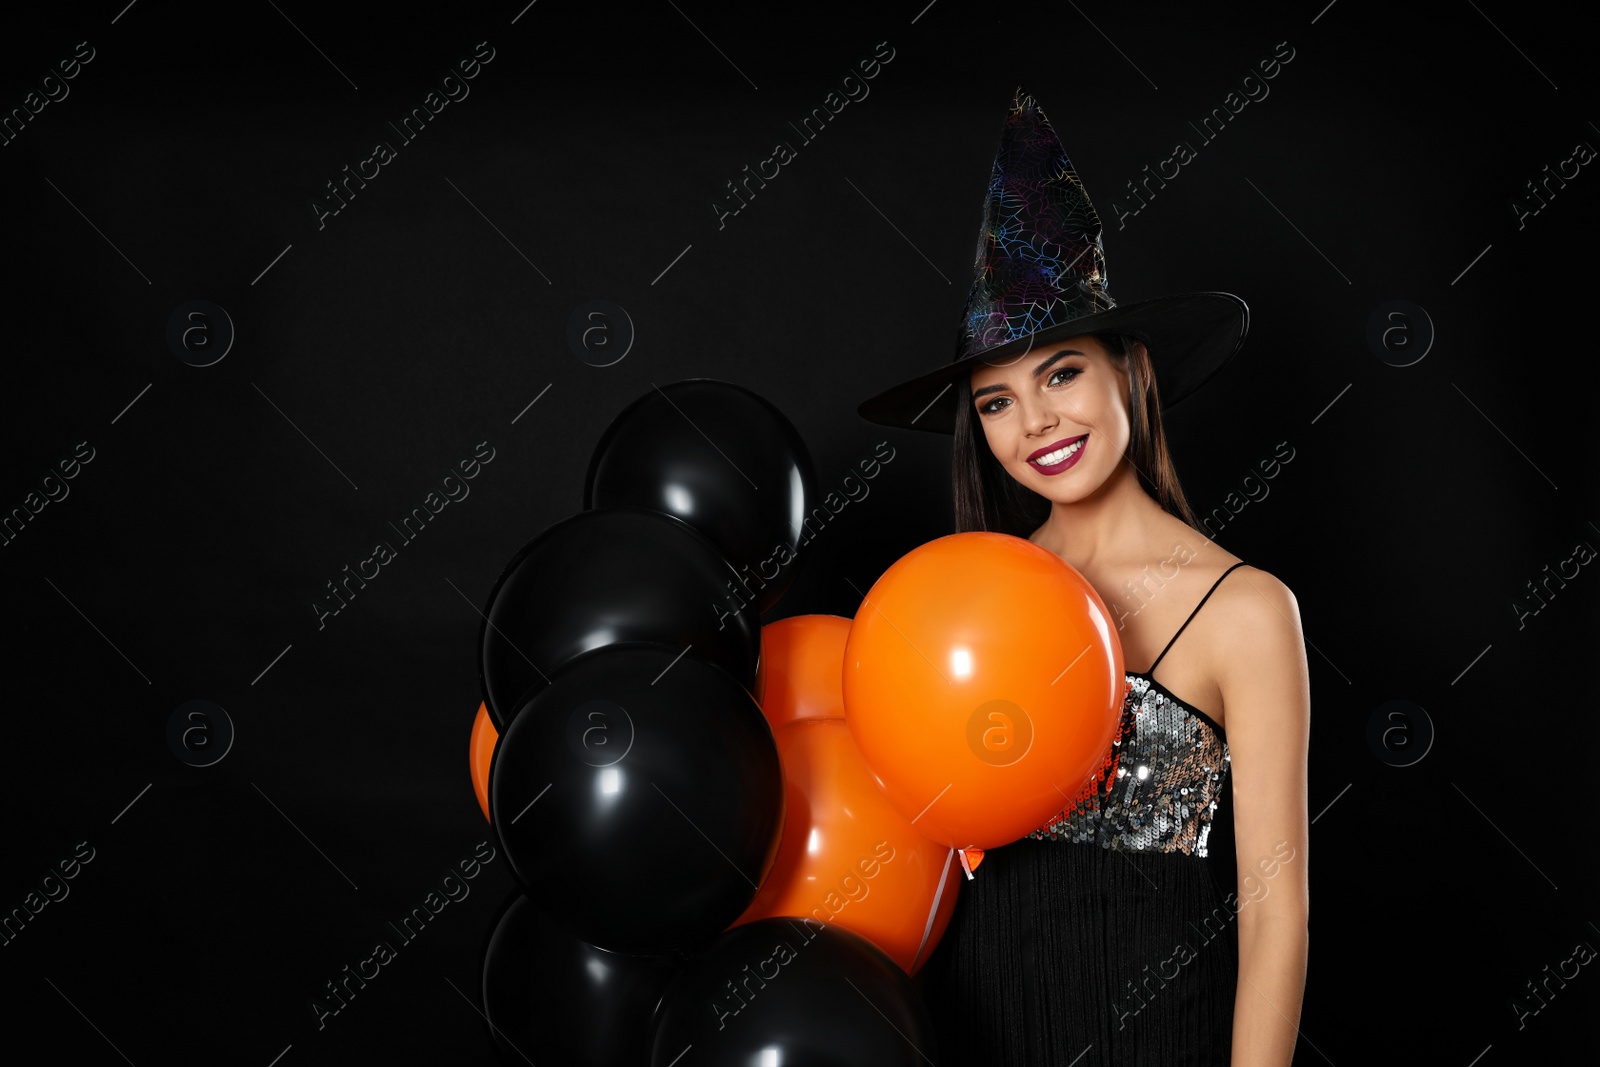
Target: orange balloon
{"points": [[982, 682], [848, 857], [481, 752], [804, 660]]}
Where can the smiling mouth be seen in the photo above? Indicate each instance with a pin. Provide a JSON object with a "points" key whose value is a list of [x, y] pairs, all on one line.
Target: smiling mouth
{"points": [[1060, 455]]}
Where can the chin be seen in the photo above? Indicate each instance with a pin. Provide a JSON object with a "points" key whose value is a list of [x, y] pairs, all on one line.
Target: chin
{"points": [[1052, 487]]}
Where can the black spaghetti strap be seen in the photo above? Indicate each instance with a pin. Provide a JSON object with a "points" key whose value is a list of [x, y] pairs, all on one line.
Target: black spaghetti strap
{"points": [[1151, 672]]}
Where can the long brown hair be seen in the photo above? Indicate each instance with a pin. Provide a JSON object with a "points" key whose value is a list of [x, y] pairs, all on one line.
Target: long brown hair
{"points": [[987, 497]]}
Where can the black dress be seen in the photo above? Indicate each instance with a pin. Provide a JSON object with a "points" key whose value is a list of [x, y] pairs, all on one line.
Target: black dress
{"points": [[1103, 937]]}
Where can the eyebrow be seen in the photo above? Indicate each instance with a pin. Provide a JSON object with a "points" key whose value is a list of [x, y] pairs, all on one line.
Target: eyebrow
{"points": [[1040, 369]]}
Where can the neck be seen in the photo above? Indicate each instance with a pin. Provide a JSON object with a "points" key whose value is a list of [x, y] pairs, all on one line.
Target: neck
{"points": [[1107, 525]]}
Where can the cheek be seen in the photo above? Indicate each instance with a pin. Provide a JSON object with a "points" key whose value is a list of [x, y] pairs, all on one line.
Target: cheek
{"points": [[1003, 444], [1111, 418]]}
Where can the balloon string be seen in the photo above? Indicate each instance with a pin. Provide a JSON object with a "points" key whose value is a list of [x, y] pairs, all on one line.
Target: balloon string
{"points": [[966, 864], [938, 893]]}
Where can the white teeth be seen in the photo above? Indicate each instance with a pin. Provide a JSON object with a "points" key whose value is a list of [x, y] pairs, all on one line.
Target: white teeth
{"points": [[1050, 459]]}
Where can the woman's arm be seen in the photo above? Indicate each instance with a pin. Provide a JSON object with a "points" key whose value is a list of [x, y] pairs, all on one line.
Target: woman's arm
{"points": [[1266, 698]]}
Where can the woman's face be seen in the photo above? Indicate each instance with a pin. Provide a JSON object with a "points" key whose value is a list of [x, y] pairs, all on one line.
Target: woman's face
{"points": [[1057, 417]]}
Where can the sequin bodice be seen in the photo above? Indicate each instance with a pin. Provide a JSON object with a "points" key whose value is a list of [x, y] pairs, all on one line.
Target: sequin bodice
{"points": [[1158, 786]]}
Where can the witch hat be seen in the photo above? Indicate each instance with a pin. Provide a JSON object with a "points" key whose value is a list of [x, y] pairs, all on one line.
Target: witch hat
{"points": [[1040, 277]]}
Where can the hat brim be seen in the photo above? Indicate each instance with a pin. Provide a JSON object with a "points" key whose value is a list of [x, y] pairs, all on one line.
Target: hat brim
{"points": [[1190, 336]]}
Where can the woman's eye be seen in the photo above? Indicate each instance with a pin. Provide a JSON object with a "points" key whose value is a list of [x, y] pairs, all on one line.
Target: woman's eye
{"points": [[1071, 372]]}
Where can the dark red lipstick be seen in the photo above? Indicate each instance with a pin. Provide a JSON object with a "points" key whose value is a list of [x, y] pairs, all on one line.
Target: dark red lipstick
{"points": [[1058, 467]]}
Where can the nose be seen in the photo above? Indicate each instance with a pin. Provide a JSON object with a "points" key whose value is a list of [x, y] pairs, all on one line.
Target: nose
{"points": [[1038, 418]]}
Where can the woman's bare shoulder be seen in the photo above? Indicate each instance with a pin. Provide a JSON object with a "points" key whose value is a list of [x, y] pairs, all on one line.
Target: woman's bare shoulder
{"points": [[1250, 587], [1258, 614]]}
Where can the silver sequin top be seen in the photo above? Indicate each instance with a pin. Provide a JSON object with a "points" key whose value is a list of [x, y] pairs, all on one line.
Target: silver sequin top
{"points": [[1158, 787]]}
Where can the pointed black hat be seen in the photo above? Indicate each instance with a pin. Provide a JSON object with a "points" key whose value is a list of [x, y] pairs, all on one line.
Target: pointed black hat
{"points": [[1040, 276]]}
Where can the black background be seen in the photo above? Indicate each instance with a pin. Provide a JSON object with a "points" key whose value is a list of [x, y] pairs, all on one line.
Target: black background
{"points": [[427, 315]]}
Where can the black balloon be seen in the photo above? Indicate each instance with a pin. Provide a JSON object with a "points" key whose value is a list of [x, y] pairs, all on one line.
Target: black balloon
{"points": [[551, 998], [780, 991], [603, 578], [639, 798], [722, 459]]}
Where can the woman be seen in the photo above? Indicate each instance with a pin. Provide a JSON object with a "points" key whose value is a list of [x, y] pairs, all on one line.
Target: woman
{"points": [[1103, 937]]}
